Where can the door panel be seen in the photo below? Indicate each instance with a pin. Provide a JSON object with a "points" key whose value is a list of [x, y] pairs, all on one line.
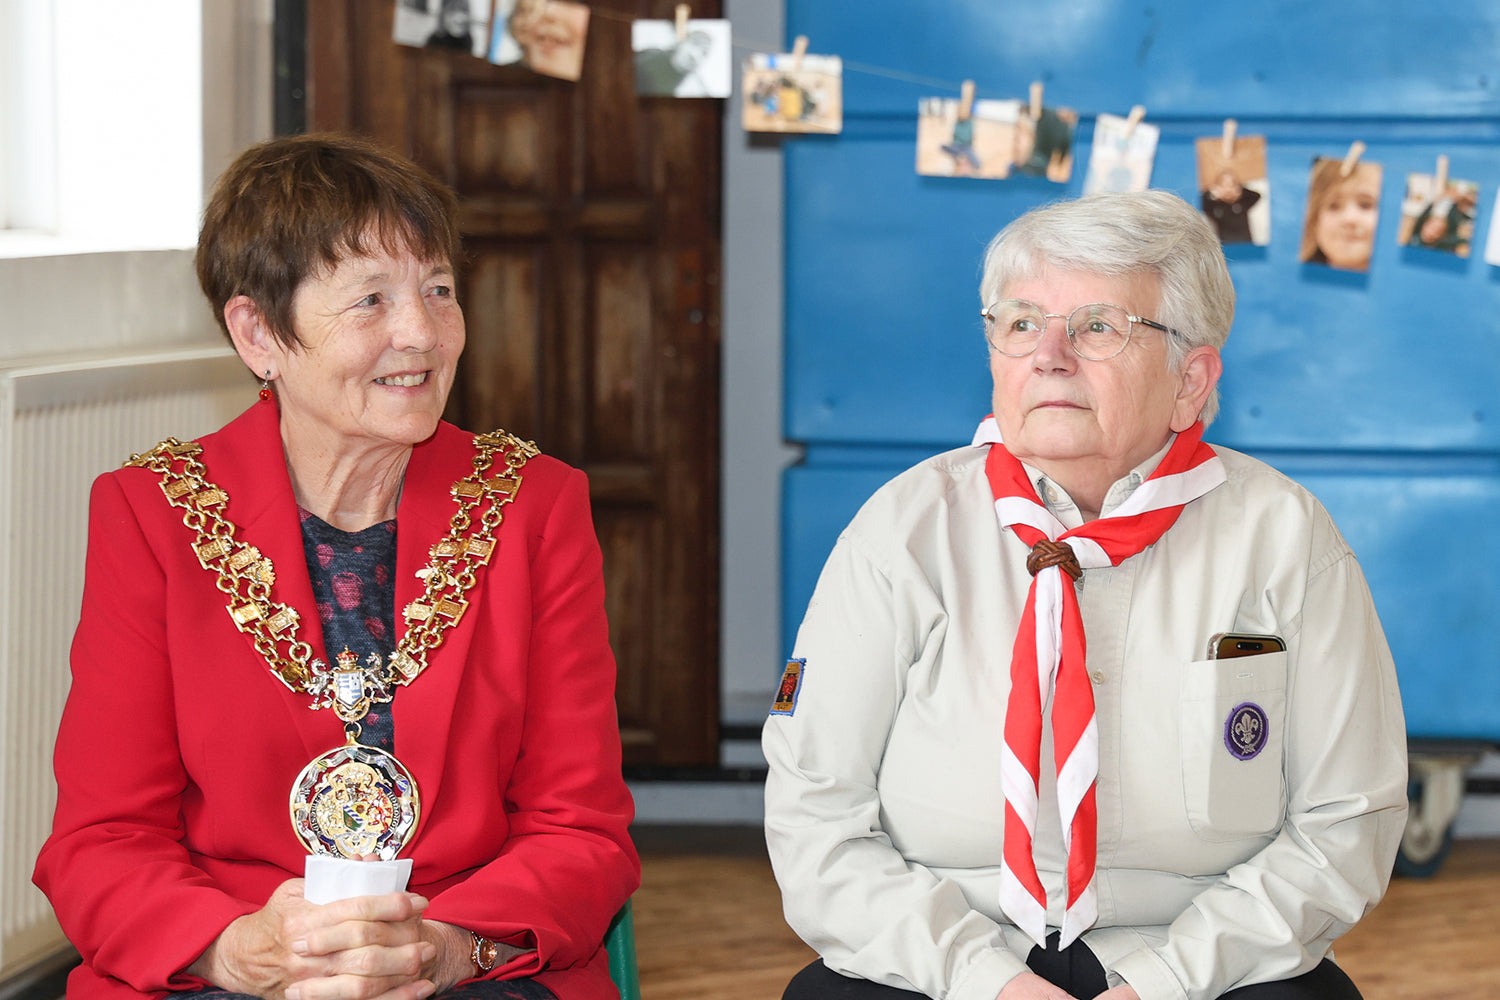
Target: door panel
{"points": [[591, 230]]}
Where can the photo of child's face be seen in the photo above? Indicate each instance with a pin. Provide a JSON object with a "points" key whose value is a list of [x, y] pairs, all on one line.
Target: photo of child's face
{"points": [[1433, 229], [1343, 209], [537, 27], [1438, 214], [455, 17], [1227, 187], [1232, 187], [1345, 225], [551, 36]]}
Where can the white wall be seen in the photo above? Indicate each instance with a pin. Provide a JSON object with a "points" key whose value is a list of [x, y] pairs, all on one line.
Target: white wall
{"points": [[90, 302]]}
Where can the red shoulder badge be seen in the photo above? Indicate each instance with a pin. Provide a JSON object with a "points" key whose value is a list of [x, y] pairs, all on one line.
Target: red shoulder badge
{"points": [[790, 688]]}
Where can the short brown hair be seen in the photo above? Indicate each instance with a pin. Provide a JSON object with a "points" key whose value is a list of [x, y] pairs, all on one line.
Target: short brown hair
{"points": [[291, 207]]}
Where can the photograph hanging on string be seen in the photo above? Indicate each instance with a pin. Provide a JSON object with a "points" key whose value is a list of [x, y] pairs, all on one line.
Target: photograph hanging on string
{"points": [[545, 36], [1233, 190], [1122, 155], [977, 141], [1044, 142], [456, 25], [786, 93], [694, 62], [1438, 214], [1343, 209]]}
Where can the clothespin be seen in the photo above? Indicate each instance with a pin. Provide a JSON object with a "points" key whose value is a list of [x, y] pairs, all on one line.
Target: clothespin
{"points": [[1351, 158], [1036, 100], [966, 99], [1440, 177], [799, 49], [1136, 114], [1230, 127], [683, 12]]}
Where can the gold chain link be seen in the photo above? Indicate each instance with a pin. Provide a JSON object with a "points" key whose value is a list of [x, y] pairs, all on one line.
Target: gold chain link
{"points": [[246, 576]]}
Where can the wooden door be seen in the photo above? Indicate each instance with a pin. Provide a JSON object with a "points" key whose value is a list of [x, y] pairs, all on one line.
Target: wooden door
{"points": [[591, 228]]}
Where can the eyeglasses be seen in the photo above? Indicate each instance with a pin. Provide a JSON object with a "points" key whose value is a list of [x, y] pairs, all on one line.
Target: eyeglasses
{"points": [[1097, 331]]}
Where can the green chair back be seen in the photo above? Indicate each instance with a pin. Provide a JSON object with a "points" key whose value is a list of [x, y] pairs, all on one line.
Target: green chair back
{"points": [[619, 943]]}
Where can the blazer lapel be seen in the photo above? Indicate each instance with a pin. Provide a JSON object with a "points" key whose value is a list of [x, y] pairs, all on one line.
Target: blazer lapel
{"points": [[247, 460], [423, 710]]}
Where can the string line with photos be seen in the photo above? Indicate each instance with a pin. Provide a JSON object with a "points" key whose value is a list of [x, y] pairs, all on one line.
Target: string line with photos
{"points": [[901, 76], [758, 47], [990, 138]]}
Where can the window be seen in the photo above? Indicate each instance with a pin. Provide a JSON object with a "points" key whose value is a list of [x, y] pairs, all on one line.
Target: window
{"points": [[101, 125], [27, 196]]}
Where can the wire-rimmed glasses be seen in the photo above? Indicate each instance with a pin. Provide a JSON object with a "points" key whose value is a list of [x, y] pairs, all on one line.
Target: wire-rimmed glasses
{"points": [[1097, 331]]}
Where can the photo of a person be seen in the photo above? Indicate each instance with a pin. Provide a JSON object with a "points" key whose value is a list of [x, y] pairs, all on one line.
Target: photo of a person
{"points": [[455, 25], [979, 144], [547, 36], [1438, 214], [1233, 191], [780, 98], [694, 64], [961, 145], [1044, 144], [1122, 157], [1227, 204], [1342, 211]]}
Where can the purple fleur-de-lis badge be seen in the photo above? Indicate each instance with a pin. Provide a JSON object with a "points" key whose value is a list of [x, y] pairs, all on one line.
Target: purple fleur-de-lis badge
{"points": [[1246, 731]]}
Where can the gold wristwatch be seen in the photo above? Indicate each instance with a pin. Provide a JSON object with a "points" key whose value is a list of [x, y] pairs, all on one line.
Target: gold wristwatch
{"points": [[484, 953]]}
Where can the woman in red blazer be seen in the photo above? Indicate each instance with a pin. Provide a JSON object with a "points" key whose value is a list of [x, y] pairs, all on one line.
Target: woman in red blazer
{"points": [[193, 778]]}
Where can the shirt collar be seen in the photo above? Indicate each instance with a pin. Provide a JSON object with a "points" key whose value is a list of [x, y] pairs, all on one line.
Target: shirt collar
{"points": [[1065, 510]]}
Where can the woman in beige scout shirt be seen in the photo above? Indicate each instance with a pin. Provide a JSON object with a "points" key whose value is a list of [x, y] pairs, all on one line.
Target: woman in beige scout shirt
{"points": [[1019, 754]]}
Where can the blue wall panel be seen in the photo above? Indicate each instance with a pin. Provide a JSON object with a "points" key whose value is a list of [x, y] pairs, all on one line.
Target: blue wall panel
{"points": [[1276, 57], [1428, 547], [1326, 372], [816, 504]]}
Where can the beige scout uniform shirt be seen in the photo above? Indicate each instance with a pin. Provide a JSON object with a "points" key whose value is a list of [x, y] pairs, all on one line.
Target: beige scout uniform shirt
{"points": [[884, 807]]}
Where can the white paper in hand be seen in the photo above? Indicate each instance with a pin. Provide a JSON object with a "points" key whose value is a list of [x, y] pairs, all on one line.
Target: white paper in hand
{"points": [[332, 879]]}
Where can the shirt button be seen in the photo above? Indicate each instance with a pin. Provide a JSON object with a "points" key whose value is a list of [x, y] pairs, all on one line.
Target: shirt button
{"points": [[1097, 677]]}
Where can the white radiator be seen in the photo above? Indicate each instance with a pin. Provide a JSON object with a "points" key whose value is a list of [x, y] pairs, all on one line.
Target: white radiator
{"points": [[60, 426]]}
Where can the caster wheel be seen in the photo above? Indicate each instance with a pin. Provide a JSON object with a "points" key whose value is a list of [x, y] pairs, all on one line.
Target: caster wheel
{"points": [[1423, 847]]}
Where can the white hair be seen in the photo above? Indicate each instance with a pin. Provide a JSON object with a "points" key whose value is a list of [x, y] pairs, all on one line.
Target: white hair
{"points": [[1119, 234]]}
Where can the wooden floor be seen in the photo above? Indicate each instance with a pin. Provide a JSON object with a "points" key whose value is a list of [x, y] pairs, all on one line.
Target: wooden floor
{"points": [[709, 926]]}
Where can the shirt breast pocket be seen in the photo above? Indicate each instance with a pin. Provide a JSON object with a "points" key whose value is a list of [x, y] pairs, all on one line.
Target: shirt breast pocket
{"points": [[1233, 730]]}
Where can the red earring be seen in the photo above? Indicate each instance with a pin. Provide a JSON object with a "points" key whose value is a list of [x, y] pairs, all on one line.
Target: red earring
{"points": [[265, 387]]}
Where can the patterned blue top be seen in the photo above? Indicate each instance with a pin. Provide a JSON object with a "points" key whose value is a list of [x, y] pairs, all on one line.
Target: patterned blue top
{"points": [[353, 577]]}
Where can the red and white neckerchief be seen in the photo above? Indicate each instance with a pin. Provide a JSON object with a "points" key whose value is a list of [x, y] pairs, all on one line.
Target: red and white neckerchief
{"points": [[1049, 656]]}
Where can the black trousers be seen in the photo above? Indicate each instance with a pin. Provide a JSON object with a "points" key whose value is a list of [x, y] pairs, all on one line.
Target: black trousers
{"points": [[1076, 970]]}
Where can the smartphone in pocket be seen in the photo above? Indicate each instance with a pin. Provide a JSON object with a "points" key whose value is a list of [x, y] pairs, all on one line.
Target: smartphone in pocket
{"points": [[1230, 644]]}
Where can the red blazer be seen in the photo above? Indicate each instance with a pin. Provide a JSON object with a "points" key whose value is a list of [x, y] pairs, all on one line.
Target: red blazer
{"points": [[178, 747]]}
